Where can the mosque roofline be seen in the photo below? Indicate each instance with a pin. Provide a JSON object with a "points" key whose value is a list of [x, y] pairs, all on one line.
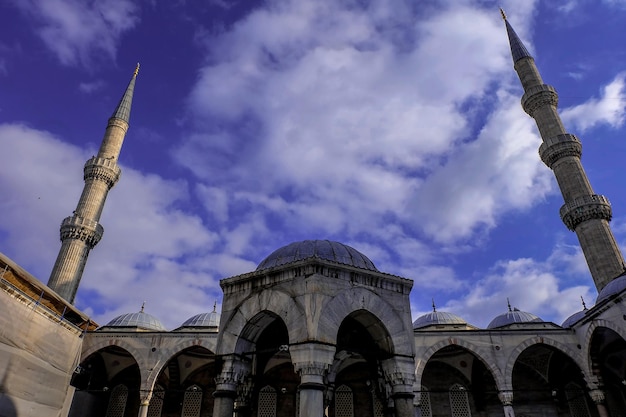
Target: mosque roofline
{"points": [[293, 267], [24, 282], [522, 328]]}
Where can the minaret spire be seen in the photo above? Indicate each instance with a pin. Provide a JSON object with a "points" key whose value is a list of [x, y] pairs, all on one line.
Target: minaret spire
{"points": [[81, 232], [584, 212]]}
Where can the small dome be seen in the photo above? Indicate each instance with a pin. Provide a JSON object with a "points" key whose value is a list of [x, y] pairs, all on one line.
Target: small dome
{"points": [[612, 288], [211, 319], [573, 318], [437, 317], [322, 249], [513, 316], [140, 321]]}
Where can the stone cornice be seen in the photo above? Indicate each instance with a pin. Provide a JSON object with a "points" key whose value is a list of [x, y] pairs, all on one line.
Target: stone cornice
{"points": [[313, 266]]}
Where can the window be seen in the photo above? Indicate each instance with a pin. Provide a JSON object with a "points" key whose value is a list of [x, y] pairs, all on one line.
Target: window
{"points": [[192, 403], [344, 406], [117, 401], [425, 402], [267, 402], [459, 403], [576, 400]]}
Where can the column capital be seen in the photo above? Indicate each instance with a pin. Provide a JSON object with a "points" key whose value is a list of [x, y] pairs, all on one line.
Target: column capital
{"points": [[233, 372], [506, 397], [597, 395]]}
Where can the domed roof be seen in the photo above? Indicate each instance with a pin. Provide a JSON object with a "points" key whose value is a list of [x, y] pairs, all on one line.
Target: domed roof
{"points": [[614, 287], [140, 321], [573, 318], [513, 316], [211, 319], [437, 317], [322, 249]]}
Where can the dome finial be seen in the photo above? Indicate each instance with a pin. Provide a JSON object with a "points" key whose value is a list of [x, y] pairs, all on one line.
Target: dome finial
{"points": [[502, 13], [583, 301], [434, 307], [508, 303], [215, 306], [143, 305]]}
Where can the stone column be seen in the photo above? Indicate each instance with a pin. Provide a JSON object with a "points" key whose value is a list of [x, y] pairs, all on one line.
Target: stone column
{"points": [[144, 402], [399, 373], [312, 361], [311, 388], [597, 395], [226, 384], [506, 398]]}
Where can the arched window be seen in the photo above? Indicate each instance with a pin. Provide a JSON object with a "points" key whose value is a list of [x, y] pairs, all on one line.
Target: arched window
{"points": [[192, 402], [425, 402], [459, 403], [379, 409], [576, 400], [156, 402], [117, 401], [344, 405], [267, 402]]}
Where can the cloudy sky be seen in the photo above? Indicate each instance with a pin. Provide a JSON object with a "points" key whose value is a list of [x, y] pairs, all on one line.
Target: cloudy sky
{"points": [[393, 127]]}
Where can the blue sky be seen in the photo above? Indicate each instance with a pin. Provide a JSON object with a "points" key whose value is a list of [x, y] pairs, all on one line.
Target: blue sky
{"points": [[394, 128]]}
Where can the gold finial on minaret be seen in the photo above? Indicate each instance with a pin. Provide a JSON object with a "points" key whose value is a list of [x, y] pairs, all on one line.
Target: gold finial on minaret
{"points": [[502, 13], [136, 70]]}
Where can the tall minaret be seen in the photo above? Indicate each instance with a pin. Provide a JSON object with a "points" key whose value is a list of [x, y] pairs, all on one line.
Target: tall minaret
{"points": [[584, 212], [81, 231]]}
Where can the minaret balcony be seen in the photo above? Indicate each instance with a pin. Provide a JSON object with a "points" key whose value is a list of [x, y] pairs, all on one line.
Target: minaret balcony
{"points": [[79, 228], [560, 146], [585, 208], [539, 96], [102, 169]]}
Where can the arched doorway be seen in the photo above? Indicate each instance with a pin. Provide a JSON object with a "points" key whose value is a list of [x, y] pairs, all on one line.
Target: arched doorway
{"points": [[272, 386], [456, 383], [547, 380], [356, 377], [107, 385], [608, 358], [185, 385]]}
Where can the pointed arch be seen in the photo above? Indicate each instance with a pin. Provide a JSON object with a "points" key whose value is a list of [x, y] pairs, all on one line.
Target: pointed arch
{"points": [[244, 319], [352, 300], [576, 357], [596, 324], [479, 353]]}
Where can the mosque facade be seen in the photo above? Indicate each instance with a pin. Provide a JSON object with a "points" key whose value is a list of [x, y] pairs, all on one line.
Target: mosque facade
{"points": [[317, 330]]}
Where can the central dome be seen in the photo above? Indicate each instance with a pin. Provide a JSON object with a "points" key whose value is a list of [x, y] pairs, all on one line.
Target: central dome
{"points": [[321, 249]]}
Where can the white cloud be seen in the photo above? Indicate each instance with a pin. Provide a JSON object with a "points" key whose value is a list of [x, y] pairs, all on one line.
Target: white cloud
{"points": [[609, 109], [77, 31], [91, 87], [335, 121], [151, 250], [531, 286]]}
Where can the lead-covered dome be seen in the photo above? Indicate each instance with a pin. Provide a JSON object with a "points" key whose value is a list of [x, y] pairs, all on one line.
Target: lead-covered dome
{"points": [[513, 316], [612, 288], [569, 322], [437, 318], [322, 249], [211, 319], [137, 321]]}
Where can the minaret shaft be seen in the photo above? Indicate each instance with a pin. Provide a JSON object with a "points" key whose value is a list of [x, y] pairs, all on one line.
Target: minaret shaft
{"points": [[81, 232], [584, 212]]}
